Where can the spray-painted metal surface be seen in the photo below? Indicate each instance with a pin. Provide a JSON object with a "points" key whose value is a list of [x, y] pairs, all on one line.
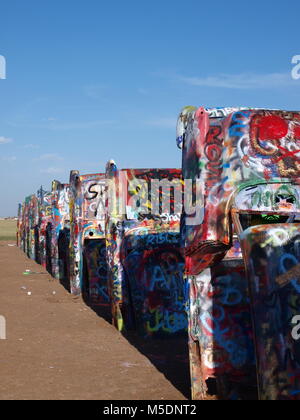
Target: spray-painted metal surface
{"points": [[94, 287], [20, 227], [241, 169], [220, 324], [45, 221], [272, 254], [59, 230], [245, 160], [88, 272], [143, 251], [28, 225]]}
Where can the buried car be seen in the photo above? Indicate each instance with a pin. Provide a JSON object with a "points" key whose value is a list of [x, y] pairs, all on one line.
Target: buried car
{"points": [[88, 273], [59, 231], [27, 226], [145, 265], [242, 253]]}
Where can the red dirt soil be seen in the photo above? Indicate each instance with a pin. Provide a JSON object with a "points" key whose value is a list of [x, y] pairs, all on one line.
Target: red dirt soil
{"points": [[58, 348]]}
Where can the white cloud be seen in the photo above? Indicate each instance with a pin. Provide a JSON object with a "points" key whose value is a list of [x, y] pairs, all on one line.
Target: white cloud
{"points": [[31, 146], [56, 125], [79, 125], [9, 158], [49, 156], [52, 170], [163, 122], [241, 81], [95, 91], [5, 140]]}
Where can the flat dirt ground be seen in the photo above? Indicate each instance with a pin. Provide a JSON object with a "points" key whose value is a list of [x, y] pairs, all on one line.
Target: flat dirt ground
{"points": [[58, 348]]}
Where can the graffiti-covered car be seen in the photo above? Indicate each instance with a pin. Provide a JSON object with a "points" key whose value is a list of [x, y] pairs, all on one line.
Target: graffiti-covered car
{"points": [[88, 273], [20, 226], [44, 228], [145, 265], [28, 226], [59, 231], [241, 256]]}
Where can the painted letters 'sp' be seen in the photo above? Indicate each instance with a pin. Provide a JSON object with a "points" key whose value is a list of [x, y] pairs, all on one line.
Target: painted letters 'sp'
{"points": [[296, 69], [2, 67]]}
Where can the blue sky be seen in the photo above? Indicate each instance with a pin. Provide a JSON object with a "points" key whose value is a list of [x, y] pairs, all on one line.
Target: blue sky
{"points": [[94, 80]]}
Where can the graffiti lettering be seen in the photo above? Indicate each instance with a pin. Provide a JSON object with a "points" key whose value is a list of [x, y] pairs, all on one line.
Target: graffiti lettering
{"points": [[212, 323], [213, 152], [229, 293], [277, 237], [161, 238], [221, 112], [99, 292], [94, 190], [164, 320], [95, 197], [239, 123], [169, 282], [167, 218]]}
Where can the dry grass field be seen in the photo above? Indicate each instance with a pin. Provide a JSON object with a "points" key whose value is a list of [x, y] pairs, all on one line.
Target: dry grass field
{"points": [[8, 230]]}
